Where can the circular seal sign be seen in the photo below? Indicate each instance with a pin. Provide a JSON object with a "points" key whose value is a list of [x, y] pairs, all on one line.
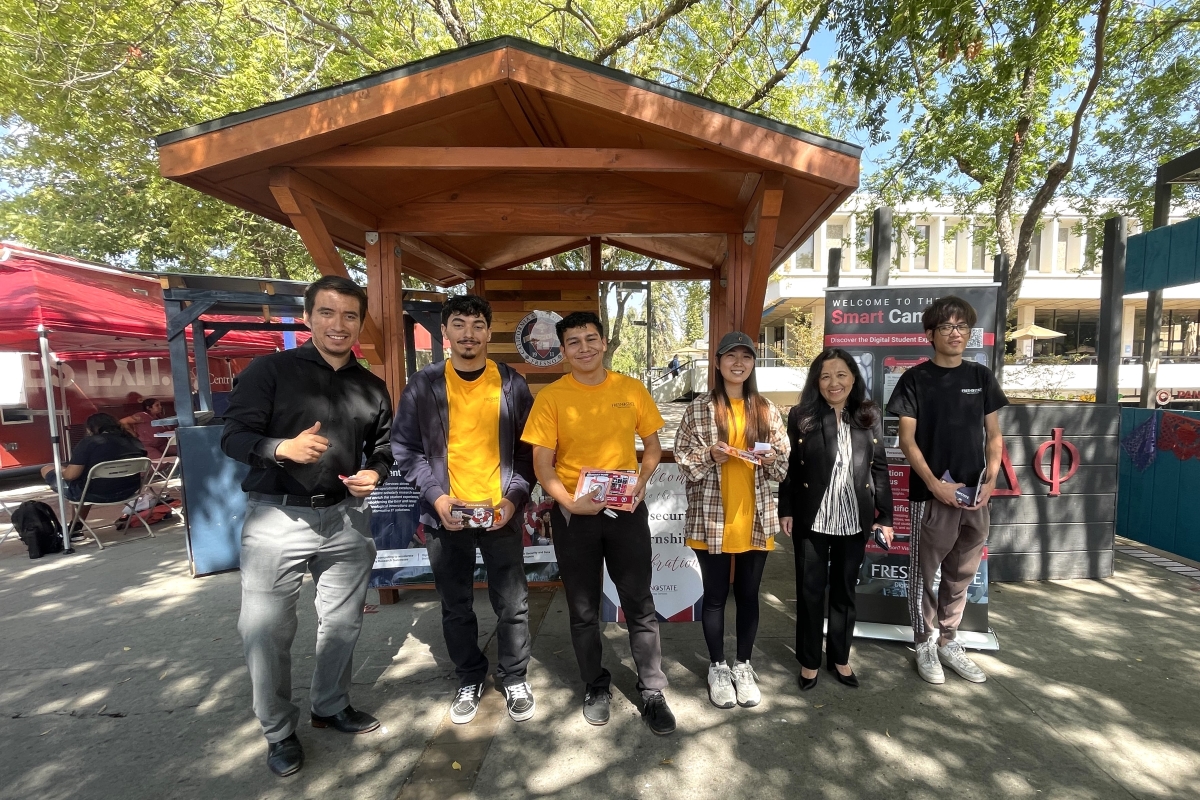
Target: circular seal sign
{"points": [[537, 340], [1163, 396]]}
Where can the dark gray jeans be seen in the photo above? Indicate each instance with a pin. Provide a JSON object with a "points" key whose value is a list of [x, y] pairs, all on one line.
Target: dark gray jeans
{"points": [[280, 544], [452, 557]]}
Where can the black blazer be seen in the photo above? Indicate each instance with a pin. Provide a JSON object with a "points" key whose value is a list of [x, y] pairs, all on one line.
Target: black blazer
{"points": [[810, 468]]}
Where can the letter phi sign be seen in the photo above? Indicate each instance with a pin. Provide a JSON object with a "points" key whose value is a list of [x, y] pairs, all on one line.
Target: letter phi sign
{"points": [[1056, 477]]}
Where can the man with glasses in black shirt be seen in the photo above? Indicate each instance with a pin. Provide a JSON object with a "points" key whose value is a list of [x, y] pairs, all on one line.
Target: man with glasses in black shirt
{"points": [[306, 421], [950, 434]]}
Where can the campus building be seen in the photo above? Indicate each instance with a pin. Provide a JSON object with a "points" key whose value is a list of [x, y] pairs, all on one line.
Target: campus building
{"points": [[1061, 290]]}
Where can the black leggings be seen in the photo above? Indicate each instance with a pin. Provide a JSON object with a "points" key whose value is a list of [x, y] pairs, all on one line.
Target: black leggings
{"points": [[747, 575]]}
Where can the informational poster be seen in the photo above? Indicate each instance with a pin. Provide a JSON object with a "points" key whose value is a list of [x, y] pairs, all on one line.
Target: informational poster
{"points": [[401, 558], [881, 328], [677, 586]]}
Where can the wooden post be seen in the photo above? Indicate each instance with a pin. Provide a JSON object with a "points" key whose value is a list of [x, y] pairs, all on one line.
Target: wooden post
{"points": [[1112, 310], [1154, 298], [762, 222], [881, 246], [384, 307]]}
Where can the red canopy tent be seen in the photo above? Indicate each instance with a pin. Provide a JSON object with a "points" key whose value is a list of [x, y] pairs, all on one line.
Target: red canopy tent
{"points": [[93, 311]]}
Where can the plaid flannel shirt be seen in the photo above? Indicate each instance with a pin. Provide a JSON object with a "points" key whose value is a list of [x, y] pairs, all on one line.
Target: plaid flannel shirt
{"points": [[705, 521]]}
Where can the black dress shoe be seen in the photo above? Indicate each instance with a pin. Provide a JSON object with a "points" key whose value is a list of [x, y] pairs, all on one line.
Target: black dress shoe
{"points": [[808, 683], [285, 757], [347, 721], [850, 680], [658, 714]]}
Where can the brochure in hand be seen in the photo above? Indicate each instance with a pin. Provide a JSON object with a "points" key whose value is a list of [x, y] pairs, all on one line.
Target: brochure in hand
{"points": [[966, 495], [474, 514], [752, 456], [614, 487]]}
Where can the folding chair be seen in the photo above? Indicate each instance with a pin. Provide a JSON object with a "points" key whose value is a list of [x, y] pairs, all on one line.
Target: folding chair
{"points": [[161, 471], [12, 528], [124, 468]]}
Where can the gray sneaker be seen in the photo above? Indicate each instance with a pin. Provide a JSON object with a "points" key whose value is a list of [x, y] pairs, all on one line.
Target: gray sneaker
{"points": [[595, 706], [720, 685], [466, 703], [520, 702], [955, 657], [928, 666], [745, 679]]}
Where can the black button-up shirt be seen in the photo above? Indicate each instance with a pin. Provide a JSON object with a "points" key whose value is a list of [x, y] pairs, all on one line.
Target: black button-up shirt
{"points": [[280, 395]]}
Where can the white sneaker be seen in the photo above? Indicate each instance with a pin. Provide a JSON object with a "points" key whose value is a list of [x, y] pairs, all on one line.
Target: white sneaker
{"points": [[744, 678], [720, 686], [953, 654], [928, 666]]}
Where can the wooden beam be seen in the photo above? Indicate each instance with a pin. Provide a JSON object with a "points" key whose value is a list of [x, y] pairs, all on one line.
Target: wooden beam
{"points": [[540, 118], [512, 107], [436, 257], [606, 275], [595, 259], [306, 219], [557, 220], [566, 248], [385, 308], [331, 202], [625, 245], [765, 224], [530, 159]]}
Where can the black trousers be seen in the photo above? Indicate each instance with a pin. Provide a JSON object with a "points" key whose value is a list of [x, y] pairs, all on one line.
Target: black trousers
{"points": [[584, 547], [747, 577], [833, 561], [452, 557]]}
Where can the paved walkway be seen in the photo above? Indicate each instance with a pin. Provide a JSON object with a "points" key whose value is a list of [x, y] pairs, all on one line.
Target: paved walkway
{"points": [[122, 677]]}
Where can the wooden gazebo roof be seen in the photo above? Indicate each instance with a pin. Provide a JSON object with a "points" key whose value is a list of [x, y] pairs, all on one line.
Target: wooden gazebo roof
{"points": [[488, 157]]}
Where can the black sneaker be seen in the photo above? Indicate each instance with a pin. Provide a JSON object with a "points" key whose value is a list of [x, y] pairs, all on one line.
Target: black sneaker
{"points": [[658, 715], [466, 703], [519, 698], [595, 706]]}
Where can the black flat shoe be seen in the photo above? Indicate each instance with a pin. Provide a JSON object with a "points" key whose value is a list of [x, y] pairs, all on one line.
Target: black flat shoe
{"points": [[285, 757], [347, 721], [850, 680], [808, 683]]}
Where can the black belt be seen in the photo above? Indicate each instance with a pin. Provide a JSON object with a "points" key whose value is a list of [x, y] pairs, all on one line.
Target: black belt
{"points": [[302, 500]]}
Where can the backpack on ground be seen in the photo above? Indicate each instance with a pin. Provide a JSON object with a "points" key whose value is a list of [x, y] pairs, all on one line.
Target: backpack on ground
{"points": [[38, 527]]}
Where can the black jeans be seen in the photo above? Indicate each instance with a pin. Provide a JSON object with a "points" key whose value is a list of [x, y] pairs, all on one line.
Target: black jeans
{"points": [[584, 547], [747, 576], [452, 557], [834, 561]]}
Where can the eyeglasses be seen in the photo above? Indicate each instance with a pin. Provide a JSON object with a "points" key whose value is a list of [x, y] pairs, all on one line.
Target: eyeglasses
{"points": [[947, 328]]}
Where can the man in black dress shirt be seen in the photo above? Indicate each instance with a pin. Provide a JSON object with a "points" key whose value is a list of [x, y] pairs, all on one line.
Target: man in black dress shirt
{"points": [[306, 420]]}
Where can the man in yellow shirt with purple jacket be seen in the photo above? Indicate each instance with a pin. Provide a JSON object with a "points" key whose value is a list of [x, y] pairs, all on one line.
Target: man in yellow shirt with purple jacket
{"points": [[456, 437], [588, 419]]}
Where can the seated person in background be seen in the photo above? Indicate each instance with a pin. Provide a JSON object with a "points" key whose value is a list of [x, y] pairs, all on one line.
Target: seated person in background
{"points": [[106, 440], [139, 425]]}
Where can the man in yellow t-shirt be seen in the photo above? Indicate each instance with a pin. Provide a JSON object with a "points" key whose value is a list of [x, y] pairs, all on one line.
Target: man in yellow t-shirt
{"points": [[456, 437], [588, 419]]}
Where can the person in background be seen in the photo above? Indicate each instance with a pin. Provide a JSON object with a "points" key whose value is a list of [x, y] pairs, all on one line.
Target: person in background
{"points": [[673, 366], [589, 418], [106, 440], [836, 491], [457, 438], [314, 425], [731, 519], [139, 425], [949, 410]]}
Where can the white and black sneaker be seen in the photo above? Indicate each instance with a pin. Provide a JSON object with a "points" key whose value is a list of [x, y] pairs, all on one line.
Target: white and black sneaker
{"points": [[928, 666], [466, 703], [954, 656], [519, 698], [720, 685]]}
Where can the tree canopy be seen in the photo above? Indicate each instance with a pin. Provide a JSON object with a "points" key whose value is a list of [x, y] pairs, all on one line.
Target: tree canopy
{"points": [[88, 83]]}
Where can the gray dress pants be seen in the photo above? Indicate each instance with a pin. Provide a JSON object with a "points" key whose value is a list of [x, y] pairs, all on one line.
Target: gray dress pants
{"points": [[280, 544]]}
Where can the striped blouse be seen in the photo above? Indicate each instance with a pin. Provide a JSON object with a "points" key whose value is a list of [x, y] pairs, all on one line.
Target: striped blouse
{"points": [[838, 514]]}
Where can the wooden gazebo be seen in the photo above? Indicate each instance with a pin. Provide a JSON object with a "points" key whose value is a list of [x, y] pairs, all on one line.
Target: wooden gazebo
{"points": [[469, 164]]}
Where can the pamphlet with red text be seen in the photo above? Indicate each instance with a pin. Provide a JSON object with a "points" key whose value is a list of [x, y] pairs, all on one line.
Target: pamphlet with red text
{"points": [[613, 487]]}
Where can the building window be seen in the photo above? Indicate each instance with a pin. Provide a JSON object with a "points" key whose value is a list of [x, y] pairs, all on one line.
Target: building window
{"points": [[1035, 254], [950, 253], [1060, 252], [1080, 329], [921, 248], [834, 234], [864, 247], [804, 256]]}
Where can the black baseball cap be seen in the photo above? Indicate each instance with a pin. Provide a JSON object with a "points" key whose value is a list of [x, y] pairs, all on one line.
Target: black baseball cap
{"points": [[736, 339]]}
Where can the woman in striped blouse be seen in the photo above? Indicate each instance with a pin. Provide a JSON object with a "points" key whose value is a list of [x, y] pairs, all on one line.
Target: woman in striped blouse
{"points": [[836, 491]]}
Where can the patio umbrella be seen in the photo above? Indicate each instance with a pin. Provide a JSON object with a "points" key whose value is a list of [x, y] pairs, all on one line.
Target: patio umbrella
{"points": [[1035, 332]]}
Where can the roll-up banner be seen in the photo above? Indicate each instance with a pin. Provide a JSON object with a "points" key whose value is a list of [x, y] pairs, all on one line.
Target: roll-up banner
{"points": [[880, 326]]}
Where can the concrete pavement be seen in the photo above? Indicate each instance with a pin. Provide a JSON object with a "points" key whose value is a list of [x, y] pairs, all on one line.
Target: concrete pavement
{"points": [[122, 677]]}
